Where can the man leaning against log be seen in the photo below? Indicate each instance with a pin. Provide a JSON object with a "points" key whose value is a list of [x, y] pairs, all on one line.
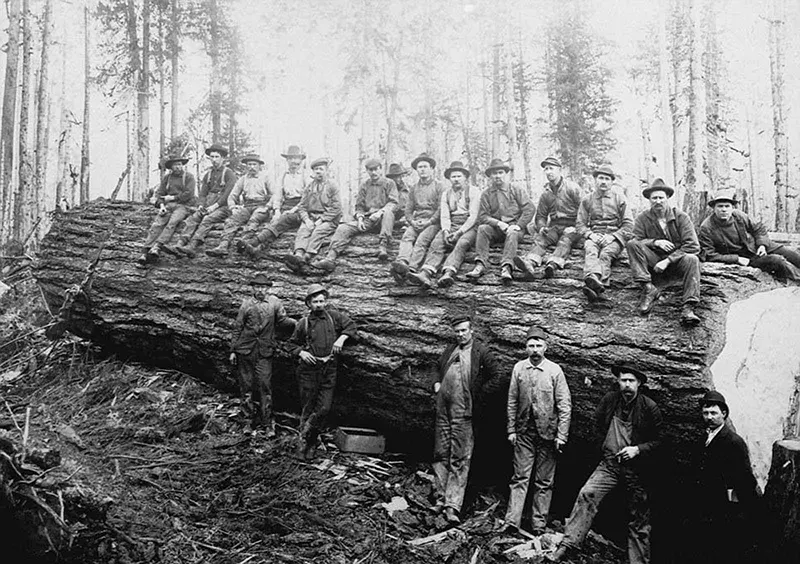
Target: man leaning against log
{"points": [[172, 198], [505, 210]]}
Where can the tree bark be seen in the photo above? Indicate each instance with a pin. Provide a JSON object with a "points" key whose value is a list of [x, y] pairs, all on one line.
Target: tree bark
{"points": [[665, 90], [497, 76], [782, 496], [9, 118], [87, 100], [43, 116], [143, 110], [24, 181], [523, 92], [216, 71], [162, 89], [174, 86]]}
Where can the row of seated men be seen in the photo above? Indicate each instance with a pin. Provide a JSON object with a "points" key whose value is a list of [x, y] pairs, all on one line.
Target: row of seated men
{"points": [[443, 223]]}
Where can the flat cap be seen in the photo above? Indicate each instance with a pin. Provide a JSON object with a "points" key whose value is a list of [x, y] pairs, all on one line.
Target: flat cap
{"points": [[320, 161], [535, 333], [726, 195], [551, 161], [261, 279], [372, 163], [713, 397], [314, 290], [604, 169]]}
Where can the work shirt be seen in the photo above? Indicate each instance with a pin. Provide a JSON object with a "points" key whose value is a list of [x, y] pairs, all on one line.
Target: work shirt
{"points": [[727, 241], [679, 231], [216, 186], [292, 184], [316, 332], [321, 201], [459, 208], [250, 190], [181, 186], [508, 203], [423, 201], [254, 328], [455, 384], [605, 212], [374, 196], [539, 399], [558, 205]]}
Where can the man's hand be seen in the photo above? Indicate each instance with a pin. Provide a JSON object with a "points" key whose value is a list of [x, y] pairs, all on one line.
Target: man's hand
{"points": [[761, 251], [607, 239], [153, 199], [307, 357], [318, 221], [162, 210], [502, 226], [543, 230], [338, 344], [309, 223], [512, 438], [211, 209], [661, 266], [664, 245], [419, 224], [628, 453], [436, 387], [236, 208], [744, 261], [232, 359], [361, 226], [569, 231], [513, 227], [375, 216], [560, 445], [170, 198]]}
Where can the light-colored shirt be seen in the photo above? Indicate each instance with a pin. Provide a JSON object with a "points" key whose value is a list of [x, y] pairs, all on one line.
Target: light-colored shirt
{"points": [[454, 210], [251, 189], [292, 184]]}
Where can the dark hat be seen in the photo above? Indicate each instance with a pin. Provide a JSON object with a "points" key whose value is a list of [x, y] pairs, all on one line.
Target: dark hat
{"points": [[715, 398], [456, 166], [535, 333], [172, 159], [618, 369], [551, 161], [261, 279], [293, 151], [217, 148], [604, 169], [251, 158], [457, 318], [372, 163], [320, 161], [658, 186], [496, 164], [396, 169], [727, 195], [315, 289], [423, 157]]}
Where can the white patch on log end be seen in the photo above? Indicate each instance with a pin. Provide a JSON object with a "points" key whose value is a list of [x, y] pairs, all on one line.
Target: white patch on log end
{"points": [[758, 370]]}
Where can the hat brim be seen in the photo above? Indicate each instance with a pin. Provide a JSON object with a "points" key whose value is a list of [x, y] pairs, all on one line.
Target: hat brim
{"points": [[397, 174], [289, 155], [546, 162], [308, 297], [666, 189], [418, 160], [245, 161], [617, 370], [712, 203], [449, 171], [221, 150], [319, 162], [171, 162], [491, 169], [599, 172]]}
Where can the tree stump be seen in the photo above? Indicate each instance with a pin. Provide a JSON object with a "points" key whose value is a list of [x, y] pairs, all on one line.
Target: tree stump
{"points": [[782, 494]]}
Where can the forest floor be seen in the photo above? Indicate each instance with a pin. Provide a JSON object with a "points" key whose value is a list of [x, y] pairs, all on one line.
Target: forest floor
{"points": [[158, 467]]}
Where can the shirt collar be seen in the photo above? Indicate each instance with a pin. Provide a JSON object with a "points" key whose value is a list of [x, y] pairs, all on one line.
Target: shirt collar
{"points": [[531, 366], [599, 194], [713, 434], [668, 216], [503, 188]]}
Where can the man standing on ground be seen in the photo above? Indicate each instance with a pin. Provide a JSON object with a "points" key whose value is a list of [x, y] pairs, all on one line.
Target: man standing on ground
{"points": [[317, 341], [628, 427], [554, 224], [605, 224], [505, 210], [252, 348], [539, 412], [468, 374], [172, 198], [664, 238]]}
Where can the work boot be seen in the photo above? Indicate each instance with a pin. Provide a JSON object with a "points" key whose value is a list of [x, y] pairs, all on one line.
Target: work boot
{"points": [[399, 271], [423, 278], [220, 250], [190, 250], [505, 274], [594, 283], [447, 279], [688, 316], [142, 260], [295, 262], [476, 272], [526, 266], [650, 294], [244, 246], [451, 515], [383, 253], [550, 270], [328, 264], [154, 253], [560, 554], [590, 294], [176, 250]]}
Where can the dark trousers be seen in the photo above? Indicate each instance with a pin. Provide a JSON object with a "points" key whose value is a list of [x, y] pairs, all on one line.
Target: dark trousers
{"points": [[783, 262], [199, 224], [439, 248], [553, 237], [255, 377], [278, 226], [642, 258], [487, 235], [316, 397], [250, 215], [164, 225], [311, 239], [347, 231]]}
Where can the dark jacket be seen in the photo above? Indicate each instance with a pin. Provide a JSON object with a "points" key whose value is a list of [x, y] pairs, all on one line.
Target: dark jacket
{"points": [[254, 329], [559, 207], [216, 186], [316, 333], [647, 424], [715, 248], [512, 205], [680, 232], [181, 186], [722, 465], [321, 199], [485, 375], [375, 196]]}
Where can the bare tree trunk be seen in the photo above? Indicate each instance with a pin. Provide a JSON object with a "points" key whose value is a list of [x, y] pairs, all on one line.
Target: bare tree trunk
{"points": [[664, 90], [43, 115], [511, 107], [487, 107], [143, 145], [84, 193], [132, 31], [9, 118], [216, 67], [696, 197], [22, 196], [523, 91], [646, 150], [175, 48], [777, 68], [496, 78], [232, 102], [162, 90]]}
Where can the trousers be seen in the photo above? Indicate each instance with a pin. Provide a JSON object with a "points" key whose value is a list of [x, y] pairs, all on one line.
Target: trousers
{"points": [[642, 258], [532, 455], [452, 451], [554, 236], [317, 384], [487, 235], [415, 244], [597, 258], [311, 239], [347, 231], [439, 248], [199, 224], [255, 377], [249, 215], [164, 225]]}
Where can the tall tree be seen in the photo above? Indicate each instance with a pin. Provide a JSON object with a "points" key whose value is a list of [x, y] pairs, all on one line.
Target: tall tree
{"points": [[214, 50], [174, 47], [87, 68], [43, 115], [143, 102], [777, 67], [25, 175], [9, 117]]}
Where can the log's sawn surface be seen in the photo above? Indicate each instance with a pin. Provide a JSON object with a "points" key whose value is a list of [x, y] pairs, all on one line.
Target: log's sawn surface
{"points": [[178, 314]]}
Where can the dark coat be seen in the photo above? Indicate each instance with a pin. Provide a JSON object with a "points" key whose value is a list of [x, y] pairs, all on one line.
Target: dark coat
{"points": [[485, 378], [254, 329], [752, 234], [722, 465], [647, 425], [680, 232]]}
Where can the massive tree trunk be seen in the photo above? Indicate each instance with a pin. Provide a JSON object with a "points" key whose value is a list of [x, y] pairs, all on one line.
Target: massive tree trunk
{"points": [[9, 118]]}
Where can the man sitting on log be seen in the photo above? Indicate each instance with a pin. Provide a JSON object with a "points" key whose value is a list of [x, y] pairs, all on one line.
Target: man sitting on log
{"points": [[458, 216], [215, 187], [505, 210], [628, 427], [172, 198], [375, 205], [422, 217], [252, 347], [731, 236], [664, 238], [605, 224], [468, 374], [249, 203], [398, 173], [554, 224], [317, 341]]}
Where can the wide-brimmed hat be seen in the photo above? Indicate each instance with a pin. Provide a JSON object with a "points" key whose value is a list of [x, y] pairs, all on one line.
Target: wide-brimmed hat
{"points": [[423, 157], [320, 161], [618, 369], [293, 151], [251, 158], [372, 163], [550, 161], [713, 397], [217, 148], [535, 333], [396, 169], [315, 289], [496, 164], [456, 166], [260, 279], [604, 169], [658, 185], [726, 195], [172, 159]]}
